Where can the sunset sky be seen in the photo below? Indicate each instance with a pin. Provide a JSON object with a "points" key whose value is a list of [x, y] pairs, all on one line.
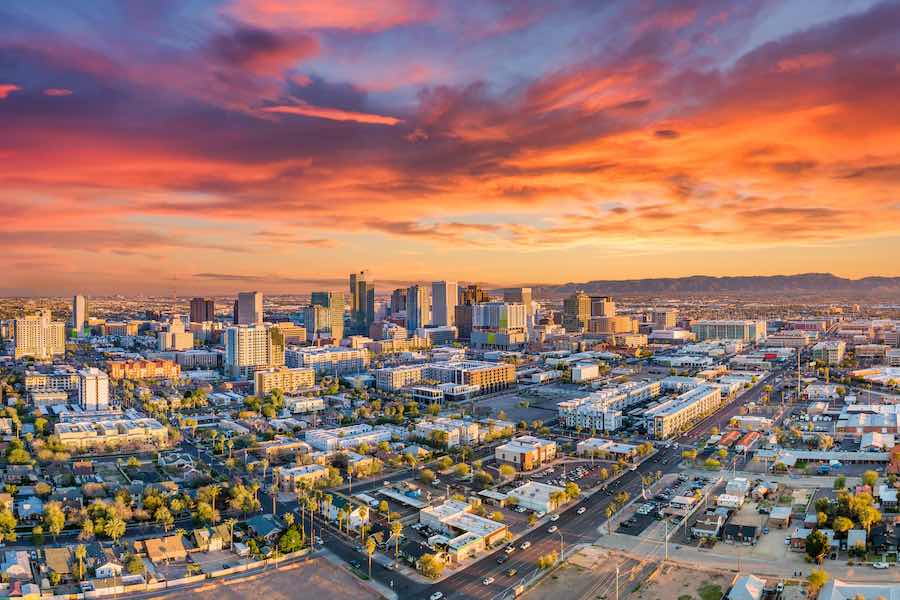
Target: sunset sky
{"points": [[281, 144]]}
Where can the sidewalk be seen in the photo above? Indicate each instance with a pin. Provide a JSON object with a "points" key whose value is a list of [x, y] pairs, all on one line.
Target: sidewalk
{"points": [[381, 589]]}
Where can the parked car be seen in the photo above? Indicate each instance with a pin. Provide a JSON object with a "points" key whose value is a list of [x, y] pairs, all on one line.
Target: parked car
{"points": [[553, 529], [436, 596], [880, 565], [554, 517], [510, 549]]}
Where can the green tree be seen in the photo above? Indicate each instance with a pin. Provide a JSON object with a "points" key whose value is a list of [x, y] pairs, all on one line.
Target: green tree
{"points": [[37, 534], [840, 482], [7, 526], [431, 566], [427, 476], [462, 469], [114, 528], [507, 471], [54, 518], [870, 478], [80, 554], [370, 550], [841, 525], [290, 541], [816, 546], [816, 581], [164, 517], [396, 530]]}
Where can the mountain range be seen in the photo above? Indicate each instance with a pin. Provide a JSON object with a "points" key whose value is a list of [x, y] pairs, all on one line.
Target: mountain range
{"points": [[794, 285]]}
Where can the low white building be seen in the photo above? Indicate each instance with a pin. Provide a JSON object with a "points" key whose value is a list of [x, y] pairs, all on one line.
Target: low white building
{"points": [[536, 496]]}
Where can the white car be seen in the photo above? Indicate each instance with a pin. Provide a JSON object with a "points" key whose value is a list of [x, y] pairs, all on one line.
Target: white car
{"points": [[436, 596], [553, 529], [554, 517], [510, 549], [488, 581], [582, 510], [880, 565], [525, 546]]}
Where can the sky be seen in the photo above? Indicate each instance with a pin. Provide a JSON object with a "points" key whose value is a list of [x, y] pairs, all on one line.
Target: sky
{"points": [[208, 146]]}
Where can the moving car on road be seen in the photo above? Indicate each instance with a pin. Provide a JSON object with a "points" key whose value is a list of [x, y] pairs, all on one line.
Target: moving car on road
{"points": [[488, 581]]}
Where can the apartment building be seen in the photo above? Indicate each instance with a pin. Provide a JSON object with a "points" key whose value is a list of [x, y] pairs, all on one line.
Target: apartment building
{"points": [[174, 337], [347, 437], [395, 378], [38, 336], [451, 432], [329, 360], [252, 347], [676, 415], [93, 389], [144, 369], [526, 452], [725, 329], [291, 477], [59, 380], [286, 379], [830, 351], [199, 359], [113, 432]]}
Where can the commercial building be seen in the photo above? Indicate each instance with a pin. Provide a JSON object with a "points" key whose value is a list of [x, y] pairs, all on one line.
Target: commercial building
{"points": [[602, 306], [79, 315], [488, 377], [438, 336], [612, 324], [202, 310], [608, 448], [394, 378], [465, 534], [199, 359], [291, 477], [319, 323], [443, 302], [725, 329], [418, 307], [144, 369], [602, 410], [249, 309], [664, 318], [499, 326], [537, 496], [673, 416], [526, 452], [334, 303], [286, 379], [174, 337], [468, 298], [60, 380], [830, 351], [789, 338], [362, 301], [252, 347], [38, 336], [576, 312], [93, 389], [329, 360]]}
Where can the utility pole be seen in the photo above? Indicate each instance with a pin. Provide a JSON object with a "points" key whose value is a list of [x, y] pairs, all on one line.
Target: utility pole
{"points": [[617, 582], [666, 540]]}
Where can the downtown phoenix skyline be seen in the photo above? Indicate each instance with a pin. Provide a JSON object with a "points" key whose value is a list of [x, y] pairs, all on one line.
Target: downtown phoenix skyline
{"points": [[224, 144]]}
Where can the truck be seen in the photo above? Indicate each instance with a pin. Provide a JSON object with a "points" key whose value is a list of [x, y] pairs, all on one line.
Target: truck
{"points": [[823, 470]]}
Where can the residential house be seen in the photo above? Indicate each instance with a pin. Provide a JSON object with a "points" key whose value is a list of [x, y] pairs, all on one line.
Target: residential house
{"points": [[747, 587], [16, 566], [59, 561], [264, 526], [165, 549]]}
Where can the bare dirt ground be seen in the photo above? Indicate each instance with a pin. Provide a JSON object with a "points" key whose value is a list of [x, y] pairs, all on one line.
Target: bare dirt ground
{"points": [[679, 583], [311, 580]]}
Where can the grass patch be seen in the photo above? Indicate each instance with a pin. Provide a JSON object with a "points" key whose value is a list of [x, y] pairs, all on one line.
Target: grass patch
{"points": [[685, 597], [708, 591]]}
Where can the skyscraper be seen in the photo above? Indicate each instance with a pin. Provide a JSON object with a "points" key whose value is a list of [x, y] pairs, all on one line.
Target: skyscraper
{"points": [[249, 308], [398, 301], [603, 306], [472, 294], [522, 296], [38, 336], [468, 297], [417, 307], [202, 310], [334, 302], [443, 303], [79, 315], [362, 301], [576, 312], [248, 348]]}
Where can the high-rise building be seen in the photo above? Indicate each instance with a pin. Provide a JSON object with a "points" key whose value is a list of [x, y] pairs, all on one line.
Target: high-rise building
{"points": [[252, 347], [498, 325], [38, 336], [443, 303], [174, 337], [362, 301], [318, 322], [334, 302], [417, 307], [576, 312], [202, 310], [664, 318], [79, 315], [468, 297], [398, 301], [522, 296], [603, 306], [249, 310], [472, 294], [93, 389]]}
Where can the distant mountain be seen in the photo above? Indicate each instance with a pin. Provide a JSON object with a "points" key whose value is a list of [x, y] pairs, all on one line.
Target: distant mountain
{"points": [[794, 285]]}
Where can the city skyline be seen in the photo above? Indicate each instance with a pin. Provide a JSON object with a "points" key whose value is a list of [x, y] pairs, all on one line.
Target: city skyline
{"points": [[248, 143]]}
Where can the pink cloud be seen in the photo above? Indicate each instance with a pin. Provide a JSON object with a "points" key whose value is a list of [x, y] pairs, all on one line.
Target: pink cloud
{"points": [[7, 88], [364, 15], [57, 92], [801, 62], [333, 114]]}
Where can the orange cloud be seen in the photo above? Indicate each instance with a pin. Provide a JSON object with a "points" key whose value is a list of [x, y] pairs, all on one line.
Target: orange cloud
{"points": [[367, 15], [334, 114], [8, 88]]}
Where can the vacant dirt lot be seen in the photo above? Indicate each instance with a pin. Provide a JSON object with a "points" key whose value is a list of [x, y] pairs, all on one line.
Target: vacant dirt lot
{"points": [[678, 583], [313, 580]]}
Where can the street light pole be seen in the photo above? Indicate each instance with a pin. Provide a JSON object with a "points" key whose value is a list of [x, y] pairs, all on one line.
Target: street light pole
{"points": [[617, 582]]}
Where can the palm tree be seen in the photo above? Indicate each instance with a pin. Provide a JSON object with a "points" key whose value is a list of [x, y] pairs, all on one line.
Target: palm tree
{"points": [[610, 511], [288, 519], [80, 553], [273, 491], [231, 523], [311, 506], [396, 530]]}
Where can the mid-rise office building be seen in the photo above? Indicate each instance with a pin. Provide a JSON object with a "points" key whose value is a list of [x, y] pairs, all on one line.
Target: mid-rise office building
{"points": [[93, 389], [499, 326], [392, 379], [830, 351], [526, 452], [334, 302], [730, 329], [64, 379], [486, 376], [249, 309], [418, 307], [38, 336], [286, 379], [576, 312], [252, 347], [676, 415], [202, 310], [79, 315], [443, 303], [664, 318], [438, 336], [603, 306]]}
